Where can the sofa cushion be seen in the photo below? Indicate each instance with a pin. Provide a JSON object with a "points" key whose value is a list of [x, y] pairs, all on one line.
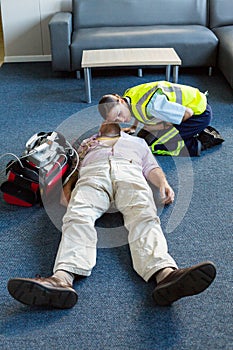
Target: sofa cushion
{"points": [[95, 13], [221, 13], [201, 52]]}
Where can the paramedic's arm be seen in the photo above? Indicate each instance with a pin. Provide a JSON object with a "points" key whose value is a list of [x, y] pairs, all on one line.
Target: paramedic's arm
{"points": [[167, 111], [157, 177], [67, 189]]}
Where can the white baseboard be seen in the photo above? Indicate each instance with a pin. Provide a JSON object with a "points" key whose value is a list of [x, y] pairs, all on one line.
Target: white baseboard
{"points": [[39, 58]]}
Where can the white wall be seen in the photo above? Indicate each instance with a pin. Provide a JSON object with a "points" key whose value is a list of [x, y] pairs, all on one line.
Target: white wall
{"points": [[25, 28]]}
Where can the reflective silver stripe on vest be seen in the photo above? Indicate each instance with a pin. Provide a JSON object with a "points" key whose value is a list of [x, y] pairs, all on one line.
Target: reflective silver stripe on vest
{"points": [[174, 89], [142, 100]]}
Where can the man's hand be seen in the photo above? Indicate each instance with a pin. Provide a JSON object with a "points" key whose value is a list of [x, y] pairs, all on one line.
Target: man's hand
{"points": [[167, 194], [158, 179], [65, 195], [67, 189]]}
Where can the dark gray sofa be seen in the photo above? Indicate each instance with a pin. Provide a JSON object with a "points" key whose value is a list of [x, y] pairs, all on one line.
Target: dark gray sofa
{"points": [[103, 24], [221, 23]]}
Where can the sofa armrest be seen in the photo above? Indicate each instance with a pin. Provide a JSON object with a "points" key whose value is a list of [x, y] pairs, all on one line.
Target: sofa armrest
{"points": [[60, 28]]}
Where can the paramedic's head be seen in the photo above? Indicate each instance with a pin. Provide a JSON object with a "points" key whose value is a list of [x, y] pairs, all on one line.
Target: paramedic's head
{"points": [[114, 108], [110, 129]]}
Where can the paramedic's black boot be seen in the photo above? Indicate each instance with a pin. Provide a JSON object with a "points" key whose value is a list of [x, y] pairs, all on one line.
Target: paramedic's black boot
{"points": [[209, 137], [184, 282], [49, 292]]}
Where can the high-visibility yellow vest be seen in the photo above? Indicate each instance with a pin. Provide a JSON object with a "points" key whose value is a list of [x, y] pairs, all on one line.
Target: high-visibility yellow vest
{"points": [[141, 95]]}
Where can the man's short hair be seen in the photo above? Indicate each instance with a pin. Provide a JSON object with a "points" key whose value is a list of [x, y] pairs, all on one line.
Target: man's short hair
{"points": [[110, 129]]}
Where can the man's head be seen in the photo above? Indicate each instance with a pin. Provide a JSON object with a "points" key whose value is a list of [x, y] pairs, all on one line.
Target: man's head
{"points": [[110, 129], [114, 108]]}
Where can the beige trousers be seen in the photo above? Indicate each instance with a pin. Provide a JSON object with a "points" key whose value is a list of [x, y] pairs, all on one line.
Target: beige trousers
{"points": [[100, 184]]}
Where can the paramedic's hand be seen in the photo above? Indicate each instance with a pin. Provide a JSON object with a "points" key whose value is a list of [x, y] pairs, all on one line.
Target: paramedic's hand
{"points": [[130, 130], [167, 194], [188, 114], [65, 195]]}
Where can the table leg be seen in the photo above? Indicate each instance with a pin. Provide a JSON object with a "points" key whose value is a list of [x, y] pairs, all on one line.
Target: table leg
{"points": [[87, 75], [175, 74], [140, 72], [168, 72]]}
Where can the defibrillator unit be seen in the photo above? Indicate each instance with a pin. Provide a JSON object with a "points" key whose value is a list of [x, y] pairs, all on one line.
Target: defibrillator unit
{"points": [[46, 163]]}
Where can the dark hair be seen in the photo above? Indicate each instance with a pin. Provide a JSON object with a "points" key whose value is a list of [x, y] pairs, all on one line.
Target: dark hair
{"points": [[106, 103]]}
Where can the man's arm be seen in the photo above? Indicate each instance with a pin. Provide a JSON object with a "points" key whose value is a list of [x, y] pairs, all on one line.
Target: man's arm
{"points": [[83, 149], [157, 177]]}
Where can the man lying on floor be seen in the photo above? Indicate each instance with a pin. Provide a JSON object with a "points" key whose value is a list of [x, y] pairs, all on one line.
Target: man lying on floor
{"points": [[115, 167]]}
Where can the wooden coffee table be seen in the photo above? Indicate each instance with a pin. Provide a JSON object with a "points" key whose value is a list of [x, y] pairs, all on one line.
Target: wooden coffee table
{"points": [[138, 57]]}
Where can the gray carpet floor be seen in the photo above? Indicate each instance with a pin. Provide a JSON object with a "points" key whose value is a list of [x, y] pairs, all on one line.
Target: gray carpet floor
{"points": [[115, 308]]}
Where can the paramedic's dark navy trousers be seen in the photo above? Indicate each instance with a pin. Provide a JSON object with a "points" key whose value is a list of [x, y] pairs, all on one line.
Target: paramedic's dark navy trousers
{"points": [[194, 125]]}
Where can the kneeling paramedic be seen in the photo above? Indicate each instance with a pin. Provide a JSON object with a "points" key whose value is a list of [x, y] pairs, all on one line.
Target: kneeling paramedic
{"points": [[116, 168], [176, 117]]}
